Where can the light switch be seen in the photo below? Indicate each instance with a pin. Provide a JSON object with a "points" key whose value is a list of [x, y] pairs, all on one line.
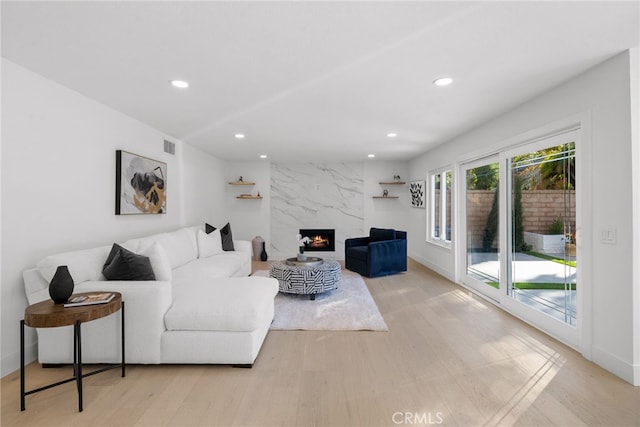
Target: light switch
{"points": [[608, 236]]}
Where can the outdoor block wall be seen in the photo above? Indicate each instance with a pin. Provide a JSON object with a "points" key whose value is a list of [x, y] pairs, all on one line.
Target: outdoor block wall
{"points": [[539, 209]]}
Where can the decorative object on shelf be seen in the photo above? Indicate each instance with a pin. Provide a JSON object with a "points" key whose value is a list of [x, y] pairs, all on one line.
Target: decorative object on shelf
{"points": [[396, 178], [141, 185], [256, 244], [416, 189], [263, 254], [385, 193], [61, 286], [258, 194], [240, 179]]}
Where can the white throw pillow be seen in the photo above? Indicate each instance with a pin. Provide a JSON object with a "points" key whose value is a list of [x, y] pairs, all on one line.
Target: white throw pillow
{"points": [[159, 261], [209, 244], [83, 265]]}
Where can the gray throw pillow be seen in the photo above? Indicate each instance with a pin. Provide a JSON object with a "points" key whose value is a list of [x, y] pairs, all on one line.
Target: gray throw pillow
{"points": [[122, 264], [227, 239], [225, 233]]}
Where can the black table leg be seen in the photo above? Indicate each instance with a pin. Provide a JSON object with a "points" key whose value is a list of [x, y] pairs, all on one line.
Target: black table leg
{"points": [[78, 340], [75, 353], [122, 336], [77, 364], [22, 407]]}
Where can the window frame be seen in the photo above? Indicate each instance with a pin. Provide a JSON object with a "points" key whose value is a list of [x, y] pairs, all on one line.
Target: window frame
{"points": [[445, 203]]}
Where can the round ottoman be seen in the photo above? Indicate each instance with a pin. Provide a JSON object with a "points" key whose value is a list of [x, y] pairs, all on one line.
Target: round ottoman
{"points": [[306, 280]]}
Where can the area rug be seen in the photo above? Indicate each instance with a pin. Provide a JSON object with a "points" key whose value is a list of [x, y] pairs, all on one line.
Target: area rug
{"points": [[350, 307]]}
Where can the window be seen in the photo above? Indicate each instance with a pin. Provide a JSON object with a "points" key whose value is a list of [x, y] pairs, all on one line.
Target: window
{"points": [[440, 206]]}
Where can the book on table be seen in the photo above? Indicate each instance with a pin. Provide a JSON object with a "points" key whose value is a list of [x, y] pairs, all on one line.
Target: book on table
{"points": [[89, 299]]}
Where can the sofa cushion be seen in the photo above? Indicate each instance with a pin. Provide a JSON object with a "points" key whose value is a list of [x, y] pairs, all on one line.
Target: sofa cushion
{"points": [[209, 244], [226, 264], [180, 245], [159, 261], [83, 265], [382, 234], [230, 304], [358, 252], [122, 264]]}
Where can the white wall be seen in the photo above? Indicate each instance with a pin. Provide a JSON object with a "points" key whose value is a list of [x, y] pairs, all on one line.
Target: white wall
{"points": [[634, 79], [203, 187], [602, 96], [386, 213], [248, 217], [58, 184]]}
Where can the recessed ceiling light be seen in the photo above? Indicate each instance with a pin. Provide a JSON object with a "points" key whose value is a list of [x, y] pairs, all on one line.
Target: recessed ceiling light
{"points": [[443, 81], [371, 156], [179, 84], [392, 135], [263, 156], [239, 135]]}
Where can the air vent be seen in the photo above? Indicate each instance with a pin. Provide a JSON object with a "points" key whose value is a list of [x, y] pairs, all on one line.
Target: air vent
{"points": [[169, 147]]}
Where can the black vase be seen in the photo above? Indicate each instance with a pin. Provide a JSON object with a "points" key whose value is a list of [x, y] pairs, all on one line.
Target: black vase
{"points": [[61, 286], [263, 254]]}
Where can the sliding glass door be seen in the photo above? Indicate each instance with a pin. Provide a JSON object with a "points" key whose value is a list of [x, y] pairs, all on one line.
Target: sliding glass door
{"points": [[519, 217], [481, 215], [542, 266]]}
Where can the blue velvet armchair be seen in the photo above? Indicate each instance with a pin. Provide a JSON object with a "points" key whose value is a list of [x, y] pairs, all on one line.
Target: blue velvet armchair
{"points": [[384, 252]]}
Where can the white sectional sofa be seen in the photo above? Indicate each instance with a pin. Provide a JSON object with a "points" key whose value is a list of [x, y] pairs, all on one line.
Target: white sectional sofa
{"points": [[202, 308]]}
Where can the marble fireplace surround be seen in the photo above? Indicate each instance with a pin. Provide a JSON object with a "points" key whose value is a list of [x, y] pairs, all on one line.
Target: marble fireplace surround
{"points": [[315, 195]]}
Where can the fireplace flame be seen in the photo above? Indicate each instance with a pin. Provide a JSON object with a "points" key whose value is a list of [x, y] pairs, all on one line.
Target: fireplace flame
{"points": [[319, 241]]}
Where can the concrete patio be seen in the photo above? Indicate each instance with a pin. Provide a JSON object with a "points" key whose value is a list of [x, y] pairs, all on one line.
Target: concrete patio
{"points": [[559, 303]]}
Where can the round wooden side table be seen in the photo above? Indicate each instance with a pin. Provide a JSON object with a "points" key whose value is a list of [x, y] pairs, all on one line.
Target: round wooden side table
{"points": [[47, 314]]}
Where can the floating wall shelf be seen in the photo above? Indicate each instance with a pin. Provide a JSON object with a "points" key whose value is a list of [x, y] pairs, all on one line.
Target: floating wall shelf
{"points": [[391, 182], [249, 197], [385, 197], [242, 183]]}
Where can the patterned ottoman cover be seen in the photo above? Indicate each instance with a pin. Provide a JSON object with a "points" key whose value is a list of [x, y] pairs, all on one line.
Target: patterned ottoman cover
{"points": [[305, 280]]}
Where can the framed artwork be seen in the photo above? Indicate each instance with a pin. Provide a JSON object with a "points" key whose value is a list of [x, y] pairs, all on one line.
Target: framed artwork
{"points": [[141, 185], [416, 189]]}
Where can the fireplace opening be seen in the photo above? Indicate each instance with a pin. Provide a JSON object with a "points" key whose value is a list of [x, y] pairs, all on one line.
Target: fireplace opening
{"points": [[321, 239]]}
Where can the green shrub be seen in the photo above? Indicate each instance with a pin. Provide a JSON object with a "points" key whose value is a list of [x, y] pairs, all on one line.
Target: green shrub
{"points": [[557, 226]]}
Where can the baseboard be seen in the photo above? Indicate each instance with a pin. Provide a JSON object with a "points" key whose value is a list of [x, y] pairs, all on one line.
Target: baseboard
{"points": [[627, 371], [11, 362], [444, 273]]}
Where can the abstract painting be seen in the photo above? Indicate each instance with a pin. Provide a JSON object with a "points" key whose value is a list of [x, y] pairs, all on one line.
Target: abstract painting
{"points": [[416, 189], [141, 185]]}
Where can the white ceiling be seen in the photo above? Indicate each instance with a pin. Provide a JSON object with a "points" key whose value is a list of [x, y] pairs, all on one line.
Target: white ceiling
{"points": [[314, 80]]}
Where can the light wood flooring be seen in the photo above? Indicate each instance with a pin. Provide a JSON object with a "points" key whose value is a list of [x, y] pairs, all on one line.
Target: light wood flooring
{"points": [[449, 358]]}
